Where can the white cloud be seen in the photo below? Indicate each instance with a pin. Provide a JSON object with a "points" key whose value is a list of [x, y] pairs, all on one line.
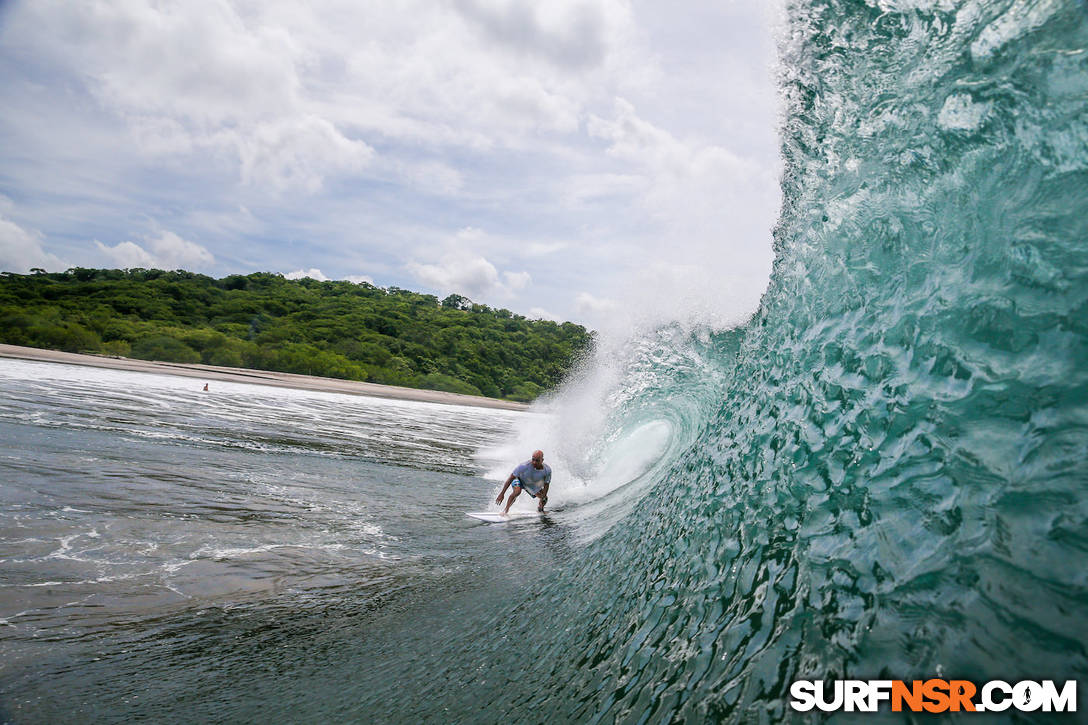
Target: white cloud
{"points": [[21, 250], [674, 163], [541, 249], [592, 306], [429, 176], [298, 153], [600, 187], [166, 251], [635, 139], [203, 62], [474, 277], [126, 255], [589, 137], [539, 313], [310, 273], [295, 97], [517, 281], [568, 34], [236, 222], [316, 274], [203, 77], [711, 207], [462, 268]]}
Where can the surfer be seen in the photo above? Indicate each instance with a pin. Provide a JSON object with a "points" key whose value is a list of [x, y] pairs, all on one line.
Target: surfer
{"points": [[534, 476]]}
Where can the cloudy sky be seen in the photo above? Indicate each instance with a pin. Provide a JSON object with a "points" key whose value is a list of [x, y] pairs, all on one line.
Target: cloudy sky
{"points": [[565, 159]]}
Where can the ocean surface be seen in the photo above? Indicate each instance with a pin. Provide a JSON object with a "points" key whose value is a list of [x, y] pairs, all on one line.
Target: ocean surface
{"points": [[882, 474], [143, 518]]}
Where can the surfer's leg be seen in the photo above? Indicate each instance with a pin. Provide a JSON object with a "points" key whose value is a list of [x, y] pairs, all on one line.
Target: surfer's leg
{"points": [[513, 495]]}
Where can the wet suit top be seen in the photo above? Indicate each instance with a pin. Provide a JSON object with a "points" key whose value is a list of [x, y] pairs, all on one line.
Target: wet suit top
{"points": [[531, 479]]}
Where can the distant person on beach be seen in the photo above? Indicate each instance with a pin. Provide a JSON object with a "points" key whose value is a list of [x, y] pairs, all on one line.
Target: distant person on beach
{"points": [[205, 387], [534, 476]]}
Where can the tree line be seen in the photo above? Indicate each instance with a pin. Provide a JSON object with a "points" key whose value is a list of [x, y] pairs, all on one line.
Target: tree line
{"points": [[354, 331]]}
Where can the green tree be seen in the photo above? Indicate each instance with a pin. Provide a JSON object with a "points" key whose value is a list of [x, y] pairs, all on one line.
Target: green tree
{"points": [[264, 321], [165, 349]]}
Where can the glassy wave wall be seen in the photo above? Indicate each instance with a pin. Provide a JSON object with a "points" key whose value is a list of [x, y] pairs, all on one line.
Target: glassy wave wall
{"points": [[890, 479]]}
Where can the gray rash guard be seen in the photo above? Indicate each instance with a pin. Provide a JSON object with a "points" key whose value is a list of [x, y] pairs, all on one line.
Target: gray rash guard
{"points": [[532, 479]]}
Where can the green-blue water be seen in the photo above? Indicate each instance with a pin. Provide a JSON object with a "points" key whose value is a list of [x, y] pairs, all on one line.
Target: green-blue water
{"points": [[882, 474]]}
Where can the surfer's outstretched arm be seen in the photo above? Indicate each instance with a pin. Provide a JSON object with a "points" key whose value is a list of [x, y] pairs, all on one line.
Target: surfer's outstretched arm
{"points": [[505, 486]]}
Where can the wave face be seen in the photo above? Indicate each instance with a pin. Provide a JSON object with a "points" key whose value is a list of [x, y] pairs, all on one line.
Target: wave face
{"points": [[888, 479]]}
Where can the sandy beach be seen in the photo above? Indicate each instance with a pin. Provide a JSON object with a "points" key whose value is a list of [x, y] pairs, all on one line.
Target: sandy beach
{"points": [[211, 373]]}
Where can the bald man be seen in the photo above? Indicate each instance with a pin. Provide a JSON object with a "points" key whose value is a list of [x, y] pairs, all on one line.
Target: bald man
{"points": [[534, 476]]}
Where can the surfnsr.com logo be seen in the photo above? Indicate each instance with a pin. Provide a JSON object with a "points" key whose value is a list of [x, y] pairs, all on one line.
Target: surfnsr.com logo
{"points": [[933, 696]]}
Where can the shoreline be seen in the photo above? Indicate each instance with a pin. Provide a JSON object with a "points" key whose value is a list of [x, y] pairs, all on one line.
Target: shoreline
{"points": [[258, 377]]}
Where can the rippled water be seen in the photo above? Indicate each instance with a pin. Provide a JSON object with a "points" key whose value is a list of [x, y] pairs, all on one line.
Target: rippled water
{"points": [[151, 531], [882, 474]]}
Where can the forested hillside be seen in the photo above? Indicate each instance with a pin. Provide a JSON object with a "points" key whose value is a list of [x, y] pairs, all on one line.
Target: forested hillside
{"points": [[267, 322]]}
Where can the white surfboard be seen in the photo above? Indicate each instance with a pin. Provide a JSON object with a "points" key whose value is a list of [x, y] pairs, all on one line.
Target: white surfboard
{"points": [[497, 517]]}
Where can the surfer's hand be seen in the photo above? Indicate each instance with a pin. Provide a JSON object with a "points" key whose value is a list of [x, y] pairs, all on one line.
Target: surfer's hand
{"points": [[499, 499]]}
